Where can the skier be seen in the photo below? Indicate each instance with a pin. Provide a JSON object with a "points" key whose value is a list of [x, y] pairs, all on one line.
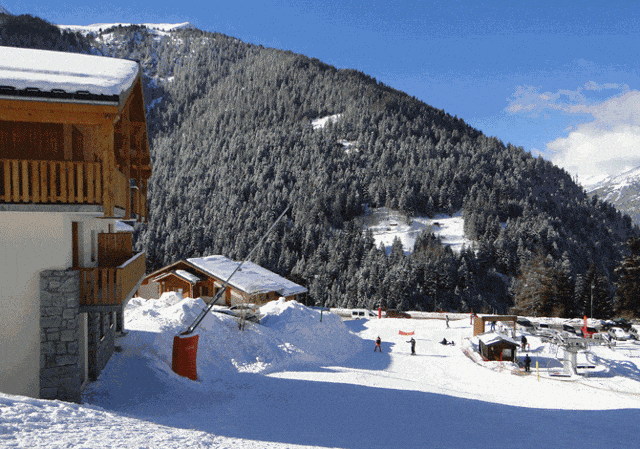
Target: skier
{"points": [[527, 363], [378, 344], [523, 340], [447, 317], [413, 346]]}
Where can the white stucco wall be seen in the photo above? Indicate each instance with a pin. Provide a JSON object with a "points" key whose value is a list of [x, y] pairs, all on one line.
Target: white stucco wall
{"points": [[31, 242]]}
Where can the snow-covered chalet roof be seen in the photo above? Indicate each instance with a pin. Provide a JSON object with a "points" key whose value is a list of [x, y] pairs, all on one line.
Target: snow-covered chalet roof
{"points": [[490, 338], [192, 278], [44, 74], [251, 278], [184, 275]]}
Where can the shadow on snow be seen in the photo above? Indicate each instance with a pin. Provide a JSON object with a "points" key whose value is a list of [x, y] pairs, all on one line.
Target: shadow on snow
{"points": [[289, 411]]}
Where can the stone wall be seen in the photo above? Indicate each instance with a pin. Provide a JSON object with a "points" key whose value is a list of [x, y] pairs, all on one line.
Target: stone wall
{"points": [[60, 376], [101, 341]]}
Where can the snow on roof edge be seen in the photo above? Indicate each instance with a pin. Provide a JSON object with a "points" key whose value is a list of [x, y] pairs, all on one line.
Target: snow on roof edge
{"points": [[40, 73], [251, 278]]}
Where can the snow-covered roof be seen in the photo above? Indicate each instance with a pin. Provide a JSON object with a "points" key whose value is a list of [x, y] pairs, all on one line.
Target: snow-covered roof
{"points": [[490, 338], [192, 278], [251, 278], [184, 275], [68, 76], [121, 226]]}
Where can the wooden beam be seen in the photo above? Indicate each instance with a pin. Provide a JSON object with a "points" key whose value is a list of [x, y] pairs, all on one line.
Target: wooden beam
{"points": [[105, 141], [126, 148], [89, 144], [67, 141], [51, 112]]}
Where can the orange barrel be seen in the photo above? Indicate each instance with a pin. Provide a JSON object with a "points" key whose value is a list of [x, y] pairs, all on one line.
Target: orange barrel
{"points": [[185, 351]]}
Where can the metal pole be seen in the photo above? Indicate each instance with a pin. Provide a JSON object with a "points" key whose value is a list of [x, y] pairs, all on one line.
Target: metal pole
{"points": [[206, 310], [592, 281]]}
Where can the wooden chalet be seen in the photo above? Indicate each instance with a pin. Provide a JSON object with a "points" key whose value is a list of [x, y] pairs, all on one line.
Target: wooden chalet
{"points": [[74, 161], [204, 277], [495, 347]]}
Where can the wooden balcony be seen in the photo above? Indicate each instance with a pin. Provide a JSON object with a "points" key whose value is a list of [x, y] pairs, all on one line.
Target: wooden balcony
{"points": [[109, 287], [66, 182], [114, 248]]}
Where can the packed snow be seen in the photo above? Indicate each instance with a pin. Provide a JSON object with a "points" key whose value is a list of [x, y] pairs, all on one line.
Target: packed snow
{"points": [[387, 224], [295, 381]]}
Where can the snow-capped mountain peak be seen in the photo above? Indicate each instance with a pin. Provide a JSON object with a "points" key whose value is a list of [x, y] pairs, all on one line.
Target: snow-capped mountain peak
{"points": [[97, 27], [623, 191]]}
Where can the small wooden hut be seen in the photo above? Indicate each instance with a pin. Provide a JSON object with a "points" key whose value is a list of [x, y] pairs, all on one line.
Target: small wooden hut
{"points": [[495, 347]]}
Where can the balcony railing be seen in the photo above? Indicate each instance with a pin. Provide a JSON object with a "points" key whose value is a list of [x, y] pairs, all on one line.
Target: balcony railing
{"points": [[67, 182], [25, 181], [110, 286]]}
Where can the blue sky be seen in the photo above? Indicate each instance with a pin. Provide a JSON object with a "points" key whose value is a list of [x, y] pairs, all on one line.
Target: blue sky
{"points": [[560, 78]]}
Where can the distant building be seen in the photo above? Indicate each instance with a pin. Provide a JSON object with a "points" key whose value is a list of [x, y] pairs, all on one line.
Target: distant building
{"points": [[203, 277], [74, 161]]}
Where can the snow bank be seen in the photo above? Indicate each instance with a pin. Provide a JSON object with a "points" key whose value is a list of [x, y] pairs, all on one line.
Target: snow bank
{"points": [[290, 334]]}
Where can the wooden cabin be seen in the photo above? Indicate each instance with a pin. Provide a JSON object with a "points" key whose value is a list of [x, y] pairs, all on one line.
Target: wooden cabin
{"points": [[495, 347], [203, 277], [74, 161]]}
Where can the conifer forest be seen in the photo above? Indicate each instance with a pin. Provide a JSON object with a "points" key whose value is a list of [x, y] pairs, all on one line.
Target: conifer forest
{"points": [[232, 146]]}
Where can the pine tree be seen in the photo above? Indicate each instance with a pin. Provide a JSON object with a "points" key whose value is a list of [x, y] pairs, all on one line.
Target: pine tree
{"points": [[628, 285]]}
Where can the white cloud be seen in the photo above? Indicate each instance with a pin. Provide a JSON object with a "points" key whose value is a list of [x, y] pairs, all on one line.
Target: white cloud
{"points": [[529, 100], [608, 145]]}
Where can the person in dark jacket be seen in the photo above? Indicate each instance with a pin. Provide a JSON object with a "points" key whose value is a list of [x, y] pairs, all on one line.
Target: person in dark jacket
{"points": [[413, 346], [523, 340], [527, 363], [378, 344]]}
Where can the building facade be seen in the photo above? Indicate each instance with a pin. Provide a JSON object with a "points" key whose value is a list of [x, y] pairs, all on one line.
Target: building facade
{"points": [[74, 161]]}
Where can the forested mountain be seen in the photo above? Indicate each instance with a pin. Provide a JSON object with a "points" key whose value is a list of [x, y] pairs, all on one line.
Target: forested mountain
{"points": [[232, 146]]}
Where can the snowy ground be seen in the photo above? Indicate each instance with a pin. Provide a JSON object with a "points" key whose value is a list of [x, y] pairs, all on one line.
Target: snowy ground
{"points": [[294, 381], [387, 224]]}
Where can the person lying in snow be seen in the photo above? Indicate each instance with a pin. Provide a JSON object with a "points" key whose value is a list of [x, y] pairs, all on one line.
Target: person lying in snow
{"points": [[445, 342]]}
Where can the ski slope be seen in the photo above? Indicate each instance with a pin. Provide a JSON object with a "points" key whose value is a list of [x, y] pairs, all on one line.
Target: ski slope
{"points": [[294, 381]]}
